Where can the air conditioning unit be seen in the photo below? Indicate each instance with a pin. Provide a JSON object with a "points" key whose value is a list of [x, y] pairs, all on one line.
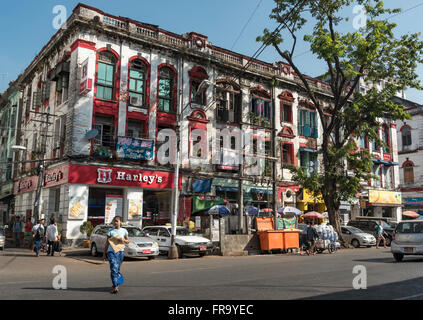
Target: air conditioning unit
{"points": [[135, 101]]}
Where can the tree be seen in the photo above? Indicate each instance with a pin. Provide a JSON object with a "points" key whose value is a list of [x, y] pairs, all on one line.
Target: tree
{"points": [[370, 52]]}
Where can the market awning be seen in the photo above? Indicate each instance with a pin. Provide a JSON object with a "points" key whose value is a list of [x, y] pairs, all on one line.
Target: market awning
{"points": [[307, 150], [384, 162], [200, 205], [228, 189], [261, 191], [202, 185]]}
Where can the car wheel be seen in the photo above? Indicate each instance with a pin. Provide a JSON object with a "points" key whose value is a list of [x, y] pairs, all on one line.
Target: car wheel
{"points": [[388, 242], [202, 254], [151, 258], [398, 257], [369, 246], [94, 251], [355, 243]]}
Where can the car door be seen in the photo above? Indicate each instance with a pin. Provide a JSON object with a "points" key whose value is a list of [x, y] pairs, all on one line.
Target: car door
{"points": [[152, 232], [164, 239], [346, 234], [102, 238]]}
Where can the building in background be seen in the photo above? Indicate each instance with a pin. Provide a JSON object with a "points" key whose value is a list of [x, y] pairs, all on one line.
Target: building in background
{"points": [[10, 110], [410, 153]]}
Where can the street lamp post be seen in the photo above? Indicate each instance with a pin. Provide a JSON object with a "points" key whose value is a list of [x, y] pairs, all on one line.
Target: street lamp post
{"points": [[173, 250]]}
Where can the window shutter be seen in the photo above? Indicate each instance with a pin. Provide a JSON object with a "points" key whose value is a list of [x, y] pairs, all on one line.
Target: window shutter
{"points": [[238, 108]]}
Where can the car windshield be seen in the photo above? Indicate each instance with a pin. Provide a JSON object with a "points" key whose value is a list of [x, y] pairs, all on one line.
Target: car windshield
{"points": [[182, 232], [354, 230], [410, 227], [135, 232]]}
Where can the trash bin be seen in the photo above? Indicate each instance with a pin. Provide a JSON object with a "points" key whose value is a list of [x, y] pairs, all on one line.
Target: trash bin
{"points": [[270, 239], [291, 238]]}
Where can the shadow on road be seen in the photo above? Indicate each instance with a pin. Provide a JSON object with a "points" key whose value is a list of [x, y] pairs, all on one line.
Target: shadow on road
{"points": [[402, 290], [99, 289]]}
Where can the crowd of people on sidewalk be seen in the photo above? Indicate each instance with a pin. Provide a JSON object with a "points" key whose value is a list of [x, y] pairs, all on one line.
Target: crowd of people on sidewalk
{"points": [[37, 237]]}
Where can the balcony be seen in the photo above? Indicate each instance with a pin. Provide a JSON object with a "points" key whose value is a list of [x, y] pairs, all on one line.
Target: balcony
{"points": [[260, 121]]}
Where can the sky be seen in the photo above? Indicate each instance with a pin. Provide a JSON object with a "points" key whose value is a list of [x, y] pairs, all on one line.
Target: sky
{"points": [[27, 25]]}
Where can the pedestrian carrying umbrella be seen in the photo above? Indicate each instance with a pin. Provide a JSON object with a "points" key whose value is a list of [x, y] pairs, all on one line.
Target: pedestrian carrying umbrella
{"points": [[313, 215], [219, 209], [251, 210], [285, 210], [411, 214]]}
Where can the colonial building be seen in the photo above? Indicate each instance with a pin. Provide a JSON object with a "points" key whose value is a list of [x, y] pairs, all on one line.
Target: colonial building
{"points": [[107, 95], [10, 107], [410, 153]]}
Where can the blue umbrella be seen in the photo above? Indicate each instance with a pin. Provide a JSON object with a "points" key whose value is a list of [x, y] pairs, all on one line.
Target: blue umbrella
{"points": [[251, 210], [284, 210], [219, 209]]}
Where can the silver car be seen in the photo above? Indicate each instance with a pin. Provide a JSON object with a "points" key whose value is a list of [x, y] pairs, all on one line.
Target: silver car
{"points": [[140, 245], [407, 239], [2, 239], [357, 237]]}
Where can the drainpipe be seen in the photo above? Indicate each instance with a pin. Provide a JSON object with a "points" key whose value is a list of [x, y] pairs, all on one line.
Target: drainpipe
{"points": [[274, 174]]}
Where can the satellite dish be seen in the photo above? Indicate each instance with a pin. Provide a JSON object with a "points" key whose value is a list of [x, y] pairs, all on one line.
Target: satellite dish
{"points": [[91, 134]]}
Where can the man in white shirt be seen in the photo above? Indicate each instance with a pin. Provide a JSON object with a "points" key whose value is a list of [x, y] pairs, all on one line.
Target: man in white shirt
{"points": [[51, 234]]}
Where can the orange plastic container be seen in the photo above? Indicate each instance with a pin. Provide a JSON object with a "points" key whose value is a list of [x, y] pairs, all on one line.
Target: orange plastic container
{"points": [[291, 238], [270, 239]]}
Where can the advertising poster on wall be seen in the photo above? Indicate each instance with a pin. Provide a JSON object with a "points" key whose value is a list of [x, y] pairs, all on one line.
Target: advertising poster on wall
{"points": [[78, 202], [113, 207], [135, 208], [137, 149]]}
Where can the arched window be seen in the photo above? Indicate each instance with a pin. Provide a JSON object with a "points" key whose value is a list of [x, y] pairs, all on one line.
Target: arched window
{"points": [[408, 172], [406, 136], [137, 82], [386, 139], [106, 75], [228, 102], [166, 92]]}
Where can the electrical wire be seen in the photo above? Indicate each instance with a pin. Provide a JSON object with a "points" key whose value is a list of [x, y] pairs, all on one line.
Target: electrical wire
{"points": [[243, 29]]}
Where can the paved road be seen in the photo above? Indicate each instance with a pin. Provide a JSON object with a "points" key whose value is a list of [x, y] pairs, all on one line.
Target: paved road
{"points": [[266, 277]]}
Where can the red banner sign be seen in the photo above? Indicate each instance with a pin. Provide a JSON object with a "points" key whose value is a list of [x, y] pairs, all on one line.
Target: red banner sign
{"points": [[56, 176], [121, 177], [25, 185]]}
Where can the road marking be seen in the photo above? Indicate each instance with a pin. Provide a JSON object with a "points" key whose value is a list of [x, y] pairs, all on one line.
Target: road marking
{"points": [[410, 297]]}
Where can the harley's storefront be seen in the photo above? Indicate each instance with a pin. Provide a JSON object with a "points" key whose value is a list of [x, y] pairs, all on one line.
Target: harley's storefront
{"points": [[97, 194]]}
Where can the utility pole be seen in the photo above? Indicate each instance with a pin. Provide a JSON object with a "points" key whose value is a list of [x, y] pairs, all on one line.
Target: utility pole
{"points": [[41, 168]]}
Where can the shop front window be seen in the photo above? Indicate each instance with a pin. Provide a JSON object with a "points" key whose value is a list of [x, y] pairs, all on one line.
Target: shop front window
{"points": [[97, 204], [157, 206]]}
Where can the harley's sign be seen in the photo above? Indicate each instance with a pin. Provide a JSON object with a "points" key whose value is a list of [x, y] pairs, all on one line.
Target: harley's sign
{"points": [[26, 185], [121, 177]]}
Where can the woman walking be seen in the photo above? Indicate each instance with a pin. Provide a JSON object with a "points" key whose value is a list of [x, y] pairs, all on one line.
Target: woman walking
{"points": [[115, 249]]}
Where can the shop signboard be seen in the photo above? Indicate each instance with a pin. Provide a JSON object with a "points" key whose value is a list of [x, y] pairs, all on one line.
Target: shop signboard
{"points": [[86, 83], [25, 185], [384, 197], [113, 207], [105, 176], [308, 196], [56, 176], [78, 202], [413, 202], [136, 149]]}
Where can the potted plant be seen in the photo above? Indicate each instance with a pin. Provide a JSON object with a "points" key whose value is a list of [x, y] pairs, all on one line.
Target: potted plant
{"points": [[86, 228]]}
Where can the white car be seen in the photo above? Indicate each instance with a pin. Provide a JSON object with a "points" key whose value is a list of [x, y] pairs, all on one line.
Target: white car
{"points": [[186, 242], [140, 245]]}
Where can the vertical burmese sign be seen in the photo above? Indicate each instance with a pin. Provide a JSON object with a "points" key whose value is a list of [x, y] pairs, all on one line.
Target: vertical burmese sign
{"points": [[78, 202]]}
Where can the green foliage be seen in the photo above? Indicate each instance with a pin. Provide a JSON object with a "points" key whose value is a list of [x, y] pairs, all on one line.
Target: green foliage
{"points": [[86, 228], [369, 53]]}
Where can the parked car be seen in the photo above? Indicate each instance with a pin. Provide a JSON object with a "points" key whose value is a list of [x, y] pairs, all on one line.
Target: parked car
{"points": [[357, 237], [408, 239], [186, 242], [2, 239], [140, 246], [370, 226]]}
